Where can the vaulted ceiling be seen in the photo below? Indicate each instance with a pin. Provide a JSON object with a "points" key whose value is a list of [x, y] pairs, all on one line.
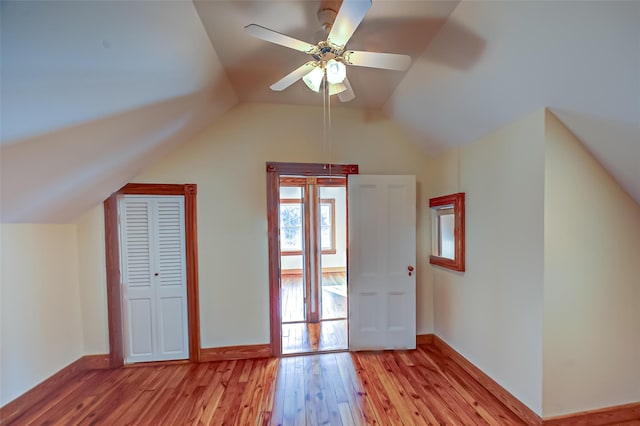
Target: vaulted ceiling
{"points": [[93, 91]]}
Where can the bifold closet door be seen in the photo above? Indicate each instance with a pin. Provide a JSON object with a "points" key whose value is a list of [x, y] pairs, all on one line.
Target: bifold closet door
{"points": [[153, 269]]}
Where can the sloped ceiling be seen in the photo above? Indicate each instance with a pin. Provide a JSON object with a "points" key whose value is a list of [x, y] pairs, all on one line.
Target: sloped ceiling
{"points": [[398, 26], [92, 91], [580, 59]]}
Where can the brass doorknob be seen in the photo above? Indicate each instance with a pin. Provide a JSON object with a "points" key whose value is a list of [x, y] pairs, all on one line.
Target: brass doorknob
{"points": [[410, 269]]}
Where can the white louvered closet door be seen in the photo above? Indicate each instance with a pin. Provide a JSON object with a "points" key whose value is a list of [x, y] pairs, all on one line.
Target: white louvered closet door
{"points": [[153, 278]]}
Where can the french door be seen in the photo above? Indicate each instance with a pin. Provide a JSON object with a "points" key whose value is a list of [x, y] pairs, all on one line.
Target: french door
{"points": [[313, 263], [154, 291], [381, 262]]}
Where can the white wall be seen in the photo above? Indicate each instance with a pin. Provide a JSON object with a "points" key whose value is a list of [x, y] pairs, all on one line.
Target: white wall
{"points": [[492, 313], [592, 282], [227, 161], [41, 330]]}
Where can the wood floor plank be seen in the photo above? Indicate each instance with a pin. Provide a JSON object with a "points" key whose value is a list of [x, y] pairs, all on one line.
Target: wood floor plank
{"points": [[354, 392], [421, 387], [315, 404], [206, 402], [394, 361], [471, 391]]}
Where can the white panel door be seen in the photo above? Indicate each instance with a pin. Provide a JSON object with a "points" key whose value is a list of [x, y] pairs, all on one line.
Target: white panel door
{"points": [[382, 246], [153, 278]]}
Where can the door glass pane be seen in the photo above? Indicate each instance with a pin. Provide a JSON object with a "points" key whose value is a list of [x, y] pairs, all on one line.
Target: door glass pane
{"points": [[292, 253], [333, 241]]}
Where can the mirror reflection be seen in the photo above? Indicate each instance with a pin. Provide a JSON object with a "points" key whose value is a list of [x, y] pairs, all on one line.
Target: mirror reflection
{"points": [[445, 221]]}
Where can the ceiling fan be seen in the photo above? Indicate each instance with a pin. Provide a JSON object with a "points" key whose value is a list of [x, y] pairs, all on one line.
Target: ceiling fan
{"points": [[327, 69]]}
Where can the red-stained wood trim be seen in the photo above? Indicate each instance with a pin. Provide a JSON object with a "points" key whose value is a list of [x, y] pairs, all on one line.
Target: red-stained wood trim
{"points": [[510, 401], [114, 300], [457, 200], [275, 313], [24, 402], [314, 257], [96, 362], [158, 363], [228, 353], [321, 181], [604, 416], [155, 188], [307, 258], [114, 296], [312, 169], [274, 172], [193, 292], [424, 339]]}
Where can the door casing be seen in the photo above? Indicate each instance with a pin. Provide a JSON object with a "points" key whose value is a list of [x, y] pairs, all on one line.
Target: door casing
{"points": [[112, 251]]}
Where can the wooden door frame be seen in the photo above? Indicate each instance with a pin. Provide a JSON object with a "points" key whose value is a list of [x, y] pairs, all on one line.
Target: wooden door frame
{"points": [[274, 171], [112, 246]]}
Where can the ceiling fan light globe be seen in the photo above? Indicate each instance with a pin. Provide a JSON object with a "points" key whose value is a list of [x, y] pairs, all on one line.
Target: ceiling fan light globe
{"points": [[313, 80], [336, 71]]}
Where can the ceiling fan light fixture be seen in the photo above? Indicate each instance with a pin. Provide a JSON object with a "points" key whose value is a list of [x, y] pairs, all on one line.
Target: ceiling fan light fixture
{"points": [[336, 71], [313, 80], [336, 88]]}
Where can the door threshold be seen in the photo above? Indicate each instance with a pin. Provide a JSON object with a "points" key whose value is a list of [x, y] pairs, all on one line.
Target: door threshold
{"points": [[158, 363], [329, 351]]}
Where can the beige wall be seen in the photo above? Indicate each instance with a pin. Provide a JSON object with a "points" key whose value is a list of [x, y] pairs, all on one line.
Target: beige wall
{"points": [[548, 305], [41, 330], [492, 313], [93, 281], [592, 282], [227, 161]]}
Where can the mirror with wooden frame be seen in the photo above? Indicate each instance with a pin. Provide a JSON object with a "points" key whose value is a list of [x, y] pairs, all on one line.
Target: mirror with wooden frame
{"points": [[447, 219]]}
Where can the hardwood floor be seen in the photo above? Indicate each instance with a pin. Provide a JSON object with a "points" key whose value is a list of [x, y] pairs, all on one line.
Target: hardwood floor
{"points": [[388, 388], [334, 297], [329, 334], [322, 336]]}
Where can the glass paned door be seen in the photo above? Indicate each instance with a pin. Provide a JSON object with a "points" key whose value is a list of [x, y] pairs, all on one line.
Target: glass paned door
{"points": [[292, 253], [313, 258], [333, 240]]}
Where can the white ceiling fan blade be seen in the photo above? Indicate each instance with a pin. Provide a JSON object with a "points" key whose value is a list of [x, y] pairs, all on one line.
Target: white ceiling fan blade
{"points": [[348, 94], [275, 37], [349, 16], [388, 61], [293, 76]]}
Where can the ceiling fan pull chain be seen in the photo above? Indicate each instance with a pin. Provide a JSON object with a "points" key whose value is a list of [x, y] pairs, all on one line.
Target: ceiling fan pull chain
{"points": [[329, 113]]}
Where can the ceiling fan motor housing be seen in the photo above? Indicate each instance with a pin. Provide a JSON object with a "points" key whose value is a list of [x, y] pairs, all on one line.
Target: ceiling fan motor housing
{"points": [[326, 51]]}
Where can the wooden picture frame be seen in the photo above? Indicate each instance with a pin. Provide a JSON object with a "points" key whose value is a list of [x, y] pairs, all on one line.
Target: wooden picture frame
{"points": [[454, 203]]}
